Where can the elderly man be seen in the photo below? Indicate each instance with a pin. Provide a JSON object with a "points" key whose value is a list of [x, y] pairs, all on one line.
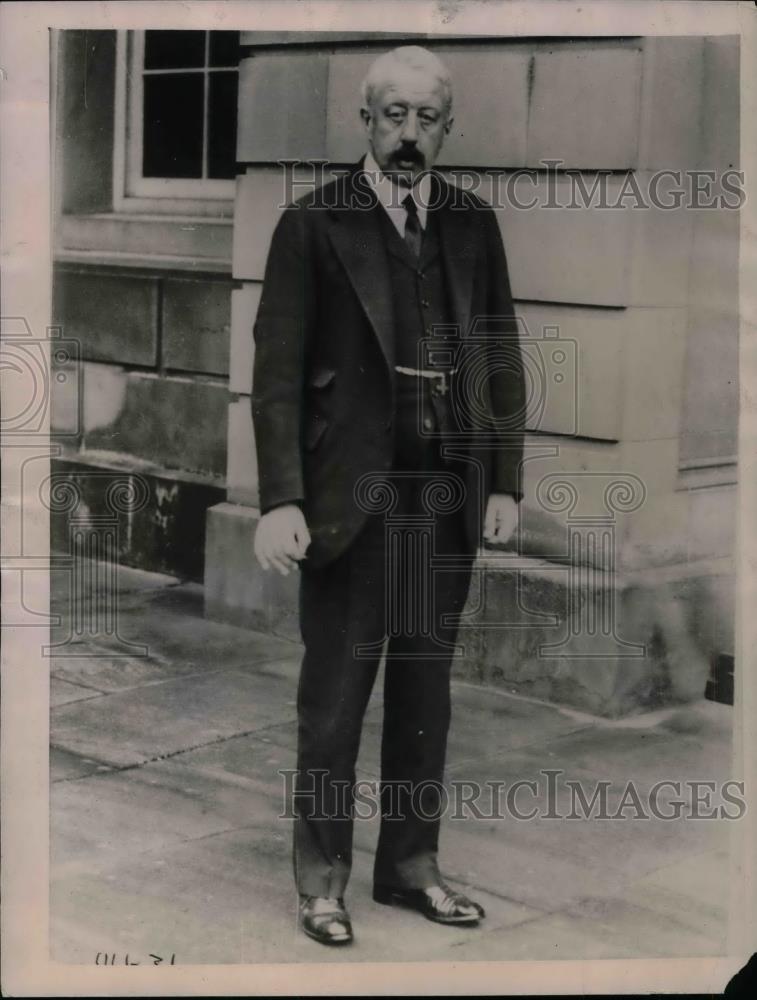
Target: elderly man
{"points": [[388, 404]]}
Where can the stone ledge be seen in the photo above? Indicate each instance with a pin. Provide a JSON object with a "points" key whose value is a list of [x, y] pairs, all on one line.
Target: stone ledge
{"points": [[163, 534], [518, 634], [237, 590]]}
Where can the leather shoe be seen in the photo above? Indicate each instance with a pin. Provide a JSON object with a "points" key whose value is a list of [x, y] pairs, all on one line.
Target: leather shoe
{"points": [[325, 920], [438, 903]]}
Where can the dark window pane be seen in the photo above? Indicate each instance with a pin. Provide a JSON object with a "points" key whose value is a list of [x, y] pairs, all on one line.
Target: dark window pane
{"points": [[173, 125], [222, 134], [224, 48], [174, 49]]}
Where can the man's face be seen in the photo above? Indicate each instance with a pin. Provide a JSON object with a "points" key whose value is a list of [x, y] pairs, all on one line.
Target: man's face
{"points": [[406, 123]]}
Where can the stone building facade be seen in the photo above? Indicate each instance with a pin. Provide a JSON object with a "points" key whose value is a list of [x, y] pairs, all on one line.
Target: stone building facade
{"points": [[620, 596]]}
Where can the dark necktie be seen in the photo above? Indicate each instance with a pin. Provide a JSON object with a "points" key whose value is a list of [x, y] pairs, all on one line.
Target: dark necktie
{"points": [[413, 231]]}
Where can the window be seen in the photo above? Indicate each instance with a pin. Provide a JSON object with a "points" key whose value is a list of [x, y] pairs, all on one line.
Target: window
{"points": [[178, 105]]}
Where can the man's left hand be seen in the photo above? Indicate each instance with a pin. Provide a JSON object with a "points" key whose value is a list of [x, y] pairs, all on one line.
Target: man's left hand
{"points": [[501, 518]]}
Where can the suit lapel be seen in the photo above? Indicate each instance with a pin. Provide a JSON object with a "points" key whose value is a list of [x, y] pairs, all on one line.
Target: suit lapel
{"points": [[358, 241], [457, 240]]}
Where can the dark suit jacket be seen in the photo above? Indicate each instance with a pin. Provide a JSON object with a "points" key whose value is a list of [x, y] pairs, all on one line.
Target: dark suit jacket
{"points": [[324, 379]]}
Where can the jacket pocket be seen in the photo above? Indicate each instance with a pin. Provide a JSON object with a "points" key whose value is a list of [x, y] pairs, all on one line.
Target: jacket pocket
{"points": [[321, 378]]}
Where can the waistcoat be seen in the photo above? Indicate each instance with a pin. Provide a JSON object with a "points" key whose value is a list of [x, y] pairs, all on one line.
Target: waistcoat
{"points": [[419, 303]]}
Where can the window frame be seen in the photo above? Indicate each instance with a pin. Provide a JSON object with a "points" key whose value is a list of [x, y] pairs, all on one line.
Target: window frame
{"points": [[131, 191]]}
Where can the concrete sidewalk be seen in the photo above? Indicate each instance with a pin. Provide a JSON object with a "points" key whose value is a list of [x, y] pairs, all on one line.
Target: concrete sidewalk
{"points": [[166, 793]]}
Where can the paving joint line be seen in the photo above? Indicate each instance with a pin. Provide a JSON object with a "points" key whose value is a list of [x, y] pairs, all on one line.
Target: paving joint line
{"points": [[92, 696], [120, 768], [165, 680]]}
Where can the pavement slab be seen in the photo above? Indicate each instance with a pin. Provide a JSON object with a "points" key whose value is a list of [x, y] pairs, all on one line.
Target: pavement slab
{"points": [[129, 580], [62, 692], [693, 891], [559, 936], [66, 766], [627, 846], [178, 637], [116, 815], [101, 672], [221, 899], [645, 757], [135, 726], [555, 937], [247, 760], [503, 723], [167, 834], [645, 930]]}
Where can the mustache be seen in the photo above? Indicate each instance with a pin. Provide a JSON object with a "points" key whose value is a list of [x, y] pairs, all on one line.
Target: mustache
{"points": [[411, 153]]}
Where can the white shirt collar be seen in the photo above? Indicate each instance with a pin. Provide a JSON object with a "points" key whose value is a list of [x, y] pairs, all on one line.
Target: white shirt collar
{"points": [[390, 195]]}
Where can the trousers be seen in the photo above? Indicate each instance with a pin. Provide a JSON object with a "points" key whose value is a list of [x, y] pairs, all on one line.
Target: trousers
{"points": [[396, 591]]}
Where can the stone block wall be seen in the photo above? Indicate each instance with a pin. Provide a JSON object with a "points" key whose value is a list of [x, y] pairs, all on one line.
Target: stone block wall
{"points": [[630, 334], [620, 286], [150, 397]]}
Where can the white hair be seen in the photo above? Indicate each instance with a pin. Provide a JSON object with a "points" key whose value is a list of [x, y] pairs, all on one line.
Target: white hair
{"points": [[413, 56]]}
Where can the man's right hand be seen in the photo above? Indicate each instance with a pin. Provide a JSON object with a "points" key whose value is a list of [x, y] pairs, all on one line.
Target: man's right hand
{"points": [[282, 538]]}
